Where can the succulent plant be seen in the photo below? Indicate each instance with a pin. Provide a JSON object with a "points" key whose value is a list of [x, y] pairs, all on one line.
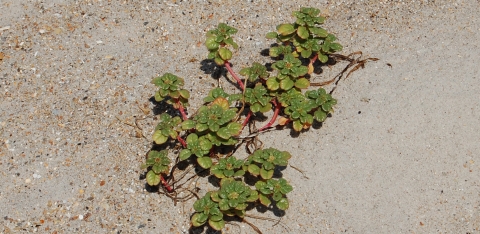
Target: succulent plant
{"points": [[206, 209], [299, 112], [321, 100], [171, 86], [227, 167], [168, 127], [263, 162], [258, 99], [277, 189], [217, 39], [216, 93], [200, 146], [233, 197], [159, 163], [213, 117], [255, 72]]}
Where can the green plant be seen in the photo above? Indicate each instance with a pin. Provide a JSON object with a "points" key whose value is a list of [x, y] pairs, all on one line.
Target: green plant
{"points": [[276, 189], [212, 134], [158, 162], [263, 162]]}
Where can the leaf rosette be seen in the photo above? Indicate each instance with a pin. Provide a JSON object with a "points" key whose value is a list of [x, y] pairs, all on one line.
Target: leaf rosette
{"points": [[276, 189], [255, 72], [159, 163], [321, 100], [233, 197], [207, 210], [263, 162], [258, 99], [227, 168], [167, 127], [216, 41], [171, 86]]}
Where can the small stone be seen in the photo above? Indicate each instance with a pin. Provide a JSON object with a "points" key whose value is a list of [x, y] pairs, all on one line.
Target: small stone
{"points": [[27, 181]]}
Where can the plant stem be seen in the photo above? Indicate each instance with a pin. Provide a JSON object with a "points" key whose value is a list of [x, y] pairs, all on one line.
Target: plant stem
{"points": [[230, 70], [246, 119], [181, 109], [184, 144], [312, 60], [166, 185], [274, 117]]}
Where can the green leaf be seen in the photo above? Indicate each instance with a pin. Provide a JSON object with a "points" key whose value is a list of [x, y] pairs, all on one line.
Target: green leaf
{"points": [[264, 200], [225, 53], [188, 124], [205, 162], [205, 144], [320, 116], [254, 169], [336, 47], [219, 61], [286, 84], [306, 53], [272, 84], [224, 133], [195, 219], [266, 174], [217, 225], [201, 127], [320, 32], [302, 32], [271, 35], [159, 138], [184, 93], [234, 128], [283, 204], [285, 29], [323, 58], [239, 173], [302, 83], [211, 43], [184, 154], [152, 178], [297, 125]]}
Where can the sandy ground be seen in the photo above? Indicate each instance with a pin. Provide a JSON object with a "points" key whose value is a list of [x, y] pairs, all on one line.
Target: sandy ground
{"points": [[401, 153]]}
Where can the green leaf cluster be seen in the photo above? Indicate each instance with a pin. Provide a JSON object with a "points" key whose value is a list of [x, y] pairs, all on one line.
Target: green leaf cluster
{"points": [[171, 86], [159, 163], [322, 101], [258, 99], [291, 72], [263, 162], [220, 93], [276, 189], [255, 72], [207, 210], [305, 35], [227, 168], [233, 197], [216, 41], [200, 147], [168, 127]]}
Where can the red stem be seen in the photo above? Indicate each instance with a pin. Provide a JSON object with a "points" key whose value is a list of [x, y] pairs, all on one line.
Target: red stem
{"points": [[166, 185], [181, 109], [246, 119], [229, 68], [184, 144], [312, 60], [274, 117]]}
